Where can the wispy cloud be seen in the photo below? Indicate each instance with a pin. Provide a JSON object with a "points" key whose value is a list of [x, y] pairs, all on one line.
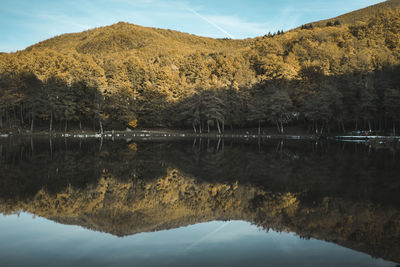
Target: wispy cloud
{"points": [[210, 22], [240, 26]]}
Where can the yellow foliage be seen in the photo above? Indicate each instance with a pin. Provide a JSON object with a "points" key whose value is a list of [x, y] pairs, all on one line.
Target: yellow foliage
{"points": [[133, 146], [133, 123], [135, 63]]}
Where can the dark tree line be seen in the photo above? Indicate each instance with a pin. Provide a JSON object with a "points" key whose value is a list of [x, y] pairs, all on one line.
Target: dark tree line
{"points": [[32, 101], [358, 101], [331, 24], [345, 103], [307, 27], [270, 35]]}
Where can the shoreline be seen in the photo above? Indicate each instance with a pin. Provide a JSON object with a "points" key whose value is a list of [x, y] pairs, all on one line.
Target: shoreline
{"points": [[163, 134], [154, 134]]}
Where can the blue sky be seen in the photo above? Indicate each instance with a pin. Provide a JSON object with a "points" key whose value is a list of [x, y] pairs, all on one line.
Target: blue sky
{"points": [[25, 22]]}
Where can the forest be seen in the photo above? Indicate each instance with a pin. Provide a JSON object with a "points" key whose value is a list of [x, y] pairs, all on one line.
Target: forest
{"points": [[333, 77]]}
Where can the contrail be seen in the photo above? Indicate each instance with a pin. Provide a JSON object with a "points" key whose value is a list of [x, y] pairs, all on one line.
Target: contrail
{"points": [[207, 236], [210, 22]]}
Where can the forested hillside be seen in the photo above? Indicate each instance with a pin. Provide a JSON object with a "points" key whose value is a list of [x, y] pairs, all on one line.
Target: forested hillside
{"points": [[340, 76]]}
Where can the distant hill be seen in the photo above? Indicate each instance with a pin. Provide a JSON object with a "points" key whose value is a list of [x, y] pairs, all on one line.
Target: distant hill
{"points": [[124, 36], [361, 15], [338, 77]]}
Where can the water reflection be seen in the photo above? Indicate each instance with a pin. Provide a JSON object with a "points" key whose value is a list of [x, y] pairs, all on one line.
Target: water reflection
{"points": [[342, 193]]}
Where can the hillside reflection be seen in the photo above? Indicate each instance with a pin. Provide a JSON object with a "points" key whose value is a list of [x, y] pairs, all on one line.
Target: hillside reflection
{"points": [[341, 193]]}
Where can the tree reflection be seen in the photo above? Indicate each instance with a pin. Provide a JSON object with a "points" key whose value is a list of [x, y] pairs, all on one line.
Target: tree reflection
{"points": [[318, 189]]}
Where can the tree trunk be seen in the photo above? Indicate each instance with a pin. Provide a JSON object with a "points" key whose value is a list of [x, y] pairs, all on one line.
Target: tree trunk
{"points": [[32, 122], [99, 117], [223, 126], [281, 127], [394, 128], [66, 126], [259, 128], [22, 115], [51, 122], [15, 113], [344, 130], [51, 147], [101, 126], [7, 118], [369, 125], [80, 125], [194, 127], [1, 121], [219, 129], [32, 147], [277, 126], [380, 125], [208, 126]]}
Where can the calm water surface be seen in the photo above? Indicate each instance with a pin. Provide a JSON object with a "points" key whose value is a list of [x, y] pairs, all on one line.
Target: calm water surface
{"points": [[70, 202]]}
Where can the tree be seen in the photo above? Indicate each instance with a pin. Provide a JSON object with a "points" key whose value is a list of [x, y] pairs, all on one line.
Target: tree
{"points": [[258, 107], [189, 112], [69, 106], [213, 109], [61, 102], [98, 109], [329, 24], [121, 105], [36, 99], [324, 106], [151, 108], [279, 109], [52, 89], [391, 103], [235, 106], [10, 98], [368, 102]]}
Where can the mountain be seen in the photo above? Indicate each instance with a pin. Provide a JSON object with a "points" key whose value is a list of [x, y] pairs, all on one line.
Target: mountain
{"points": [[361, 15], [322, 77], [124, 36]]}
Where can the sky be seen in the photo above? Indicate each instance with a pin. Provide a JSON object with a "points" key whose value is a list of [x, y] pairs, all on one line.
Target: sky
{"points": [[26, 22]]}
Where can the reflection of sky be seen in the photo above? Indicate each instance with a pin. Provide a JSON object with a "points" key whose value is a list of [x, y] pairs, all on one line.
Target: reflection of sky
{"points": [[40, 242]]}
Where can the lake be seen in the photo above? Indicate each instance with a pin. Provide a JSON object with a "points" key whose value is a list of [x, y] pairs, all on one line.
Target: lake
{"points": [[198, 202]]}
